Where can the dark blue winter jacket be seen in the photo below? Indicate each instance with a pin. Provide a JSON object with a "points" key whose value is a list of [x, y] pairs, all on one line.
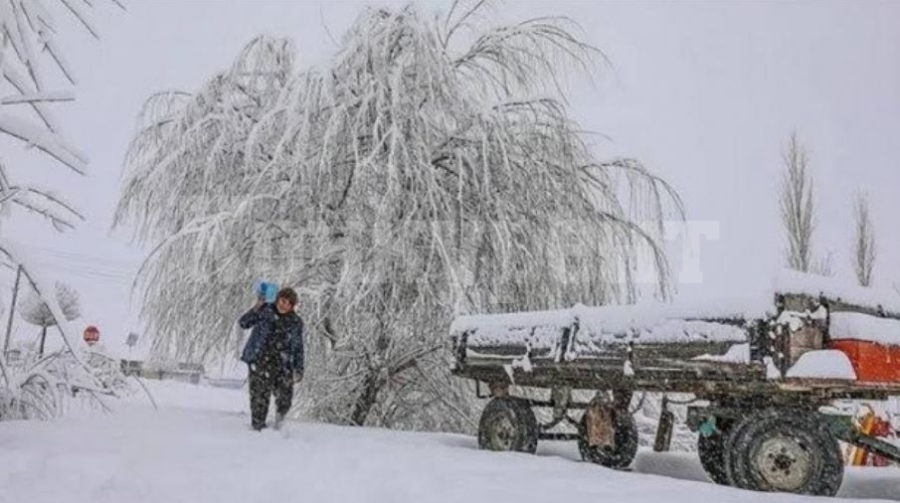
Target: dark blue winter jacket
{"points": [[262, 321]]}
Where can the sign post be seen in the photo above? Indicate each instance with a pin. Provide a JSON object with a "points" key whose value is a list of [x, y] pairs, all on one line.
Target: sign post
{"points": [[131, 342]]}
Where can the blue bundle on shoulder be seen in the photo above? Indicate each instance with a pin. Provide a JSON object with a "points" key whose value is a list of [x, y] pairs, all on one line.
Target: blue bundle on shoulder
{"points": [[267, 291]]}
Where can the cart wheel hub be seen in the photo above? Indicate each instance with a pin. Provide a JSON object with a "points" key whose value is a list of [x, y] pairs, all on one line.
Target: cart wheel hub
{"points": [[601, 428], [503, 433], [784, 463]]}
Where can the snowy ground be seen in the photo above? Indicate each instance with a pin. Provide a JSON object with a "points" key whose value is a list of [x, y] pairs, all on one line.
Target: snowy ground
{"points": [[199, 448]]}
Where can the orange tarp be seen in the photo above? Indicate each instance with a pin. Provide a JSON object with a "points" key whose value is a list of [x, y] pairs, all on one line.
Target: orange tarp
{"points": [[872, 362]]}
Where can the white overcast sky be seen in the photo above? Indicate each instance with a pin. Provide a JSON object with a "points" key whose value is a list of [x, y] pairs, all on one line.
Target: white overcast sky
{"points": [[704, 93]]}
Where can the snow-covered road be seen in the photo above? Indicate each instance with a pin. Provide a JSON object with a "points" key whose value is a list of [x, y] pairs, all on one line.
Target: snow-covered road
{"points": [[198, 448]]}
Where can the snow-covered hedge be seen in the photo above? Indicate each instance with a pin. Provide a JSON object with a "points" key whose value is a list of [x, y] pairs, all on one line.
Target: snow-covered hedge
{"points": [[47, 386]]}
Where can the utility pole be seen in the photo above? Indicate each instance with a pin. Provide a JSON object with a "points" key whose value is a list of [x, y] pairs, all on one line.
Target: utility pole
{"points": [[12, 310]]}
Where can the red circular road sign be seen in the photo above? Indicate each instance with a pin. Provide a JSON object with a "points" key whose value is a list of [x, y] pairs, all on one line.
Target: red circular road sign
{"points": [[91, 335]]}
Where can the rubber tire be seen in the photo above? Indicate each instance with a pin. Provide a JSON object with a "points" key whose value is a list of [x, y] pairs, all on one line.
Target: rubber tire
{"points": [[519, 413], [827, 471], [730, 445], [626, 444], [711, 451]]}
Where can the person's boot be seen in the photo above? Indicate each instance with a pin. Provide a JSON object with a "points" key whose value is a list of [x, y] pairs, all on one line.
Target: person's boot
{"points": [[279, 420]]}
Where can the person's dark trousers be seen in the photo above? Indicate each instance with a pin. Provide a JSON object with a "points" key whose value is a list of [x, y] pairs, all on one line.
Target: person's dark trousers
{"points": [[266, 378]]}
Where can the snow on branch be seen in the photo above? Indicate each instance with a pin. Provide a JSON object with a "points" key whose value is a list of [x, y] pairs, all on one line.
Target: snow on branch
{"points": [[35, 310], [23, 86], [29, 32], [47, 141], [37, 98], [37, 200]]}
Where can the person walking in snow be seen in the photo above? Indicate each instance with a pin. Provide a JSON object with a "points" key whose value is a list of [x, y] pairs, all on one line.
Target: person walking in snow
{"points": [[274, 354]]}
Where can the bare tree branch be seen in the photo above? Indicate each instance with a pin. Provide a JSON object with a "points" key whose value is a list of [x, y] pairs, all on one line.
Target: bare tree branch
{"points": [[798, 205], [864, 246]]}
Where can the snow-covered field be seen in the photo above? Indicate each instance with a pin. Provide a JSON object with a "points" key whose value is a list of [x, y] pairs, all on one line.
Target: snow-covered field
{"points": [[199, 448]]}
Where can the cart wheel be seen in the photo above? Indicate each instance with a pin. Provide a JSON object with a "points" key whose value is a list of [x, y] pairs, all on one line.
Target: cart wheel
{"points": [[624, 446], [786, 451], [508, 424], [730, 446], [711, 450]]}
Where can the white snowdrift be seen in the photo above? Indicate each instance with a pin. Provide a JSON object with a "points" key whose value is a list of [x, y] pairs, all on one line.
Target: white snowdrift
{"points": [[197, 456], [178, 395], [864, 327], [823, 364]]}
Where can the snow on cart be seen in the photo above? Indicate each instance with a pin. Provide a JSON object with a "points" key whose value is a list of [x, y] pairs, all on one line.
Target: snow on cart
{"points": [[764, 375]]}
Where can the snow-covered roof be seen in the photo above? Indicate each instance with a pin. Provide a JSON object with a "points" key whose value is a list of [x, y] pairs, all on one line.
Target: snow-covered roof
{"points": [[864, 327], [788, 281]]}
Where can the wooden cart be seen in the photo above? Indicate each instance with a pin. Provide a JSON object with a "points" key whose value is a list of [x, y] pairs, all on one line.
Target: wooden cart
{"points": [[755, 432]]}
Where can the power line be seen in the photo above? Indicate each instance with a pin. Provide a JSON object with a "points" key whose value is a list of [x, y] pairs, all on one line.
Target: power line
{"points": [[78, 257], [86, 264]]}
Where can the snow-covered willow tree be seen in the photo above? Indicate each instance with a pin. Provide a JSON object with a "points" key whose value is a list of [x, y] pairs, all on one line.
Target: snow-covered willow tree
{"points": [[432, 168]]}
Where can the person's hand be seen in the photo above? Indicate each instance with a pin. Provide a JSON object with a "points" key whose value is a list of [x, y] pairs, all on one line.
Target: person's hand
{"points": [[260, 301], [298, 376]]}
